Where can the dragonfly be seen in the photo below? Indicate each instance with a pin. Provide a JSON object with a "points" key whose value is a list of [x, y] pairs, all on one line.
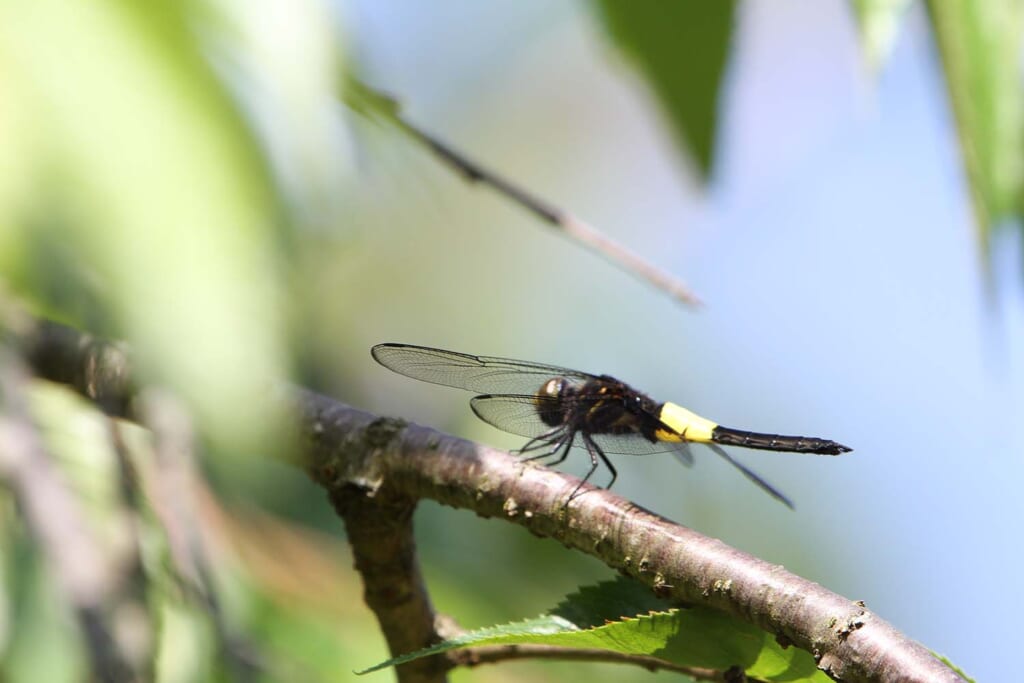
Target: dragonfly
{"points": [[557, 408]]}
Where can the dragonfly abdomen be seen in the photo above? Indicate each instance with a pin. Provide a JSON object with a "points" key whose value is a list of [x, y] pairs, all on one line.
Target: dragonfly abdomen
{"points": [[776, 442]]}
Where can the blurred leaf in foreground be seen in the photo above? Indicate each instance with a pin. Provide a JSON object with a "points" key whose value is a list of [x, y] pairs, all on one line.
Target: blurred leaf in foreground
{"points": [[135, 162], [681, 49], [980, 45]]}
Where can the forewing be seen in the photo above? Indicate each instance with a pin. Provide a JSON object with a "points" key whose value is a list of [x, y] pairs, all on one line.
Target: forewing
{"points": [[483, 374]]}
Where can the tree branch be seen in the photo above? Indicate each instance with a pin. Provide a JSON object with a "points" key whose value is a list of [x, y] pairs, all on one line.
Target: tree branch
{"points": [[380, 532], [375, 468], [391, 458]]}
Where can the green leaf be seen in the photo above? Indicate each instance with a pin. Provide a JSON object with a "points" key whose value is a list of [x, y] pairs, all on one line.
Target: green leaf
{"points": [[879, 22], [980, 44], [680, 48], [623, 616]]}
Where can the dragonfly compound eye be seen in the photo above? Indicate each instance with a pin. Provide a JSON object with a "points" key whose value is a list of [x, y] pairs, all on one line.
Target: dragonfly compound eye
{"points": [[549, 405]]}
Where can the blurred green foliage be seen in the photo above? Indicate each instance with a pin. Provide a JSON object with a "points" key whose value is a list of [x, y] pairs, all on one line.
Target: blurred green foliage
{"points": [[141, 197], [180, 176]]}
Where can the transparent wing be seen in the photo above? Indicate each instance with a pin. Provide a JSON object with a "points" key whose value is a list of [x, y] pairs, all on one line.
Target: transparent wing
{"points": [[483, 374], [752, 476], [635, 444], [683, 453]]}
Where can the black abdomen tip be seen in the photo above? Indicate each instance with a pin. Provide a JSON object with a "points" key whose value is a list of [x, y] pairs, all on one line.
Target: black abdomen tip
{"points": [[777, 442], [831, 448]]}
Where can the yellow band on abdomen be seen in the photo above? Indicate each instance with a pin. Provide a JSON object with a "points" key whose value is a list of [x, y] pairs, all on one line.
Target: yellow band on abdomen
{"points": [[686, 426]]}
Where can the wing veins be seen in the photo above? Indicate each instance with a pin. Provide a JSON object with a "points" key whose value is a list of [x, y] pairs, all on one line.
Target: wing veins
{"points": [[484, 374]]}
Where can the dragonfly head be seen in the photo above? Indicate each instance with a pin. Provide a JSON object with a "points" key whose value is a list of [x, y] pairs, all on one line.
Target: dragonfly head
{"points": [[549, 401]]}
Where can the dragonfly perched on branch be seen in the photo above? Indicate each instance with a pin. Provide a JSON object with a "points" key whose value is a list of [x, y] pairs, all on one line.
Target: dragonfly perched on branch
{"points": [[557, 408]]}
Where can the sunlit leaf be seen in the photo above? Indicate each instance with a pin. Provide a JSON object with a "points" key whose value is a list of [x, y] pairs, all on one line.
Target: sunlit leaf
{"points": [[622, 616]]}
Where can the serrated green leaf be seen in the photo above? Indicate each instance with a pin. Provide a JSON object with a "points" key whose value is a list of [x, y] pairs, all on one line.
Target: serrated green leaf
{"points": [[681, 49], [879, 22], [596, 605], [980, 45], [617, 616]]}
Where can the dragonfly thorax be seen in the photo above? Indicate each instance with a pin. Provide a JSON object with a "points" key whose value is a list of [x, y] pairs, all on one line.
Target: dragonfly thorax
{"points": [[603, 405]]}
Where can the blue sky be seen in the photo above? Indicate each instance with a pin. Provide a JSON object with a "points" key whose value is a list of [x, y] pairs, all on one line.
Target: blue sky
{"points": [[845, 294]]}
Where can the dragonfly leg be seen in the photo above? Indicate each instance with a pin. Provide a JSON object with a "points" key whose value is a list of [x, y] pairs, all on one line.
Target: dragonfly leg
{"points": [[595, 452], [538, 442], [559, 441], [593, 449], [564, 444]]}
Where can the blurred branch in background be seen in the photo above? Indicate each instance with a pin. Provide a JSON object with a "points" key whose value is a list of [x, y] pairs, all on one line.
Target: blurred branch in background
{"points": [[109, 591], [89, 576], [376, 469], [376, 105], [174, 489]]}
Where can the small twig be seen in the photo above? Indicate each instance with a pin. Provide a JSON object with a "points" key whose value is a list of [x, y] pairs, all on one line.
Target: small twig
{"points": [[137, 621], [572, 226], [174, 484], [364, 98]]}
